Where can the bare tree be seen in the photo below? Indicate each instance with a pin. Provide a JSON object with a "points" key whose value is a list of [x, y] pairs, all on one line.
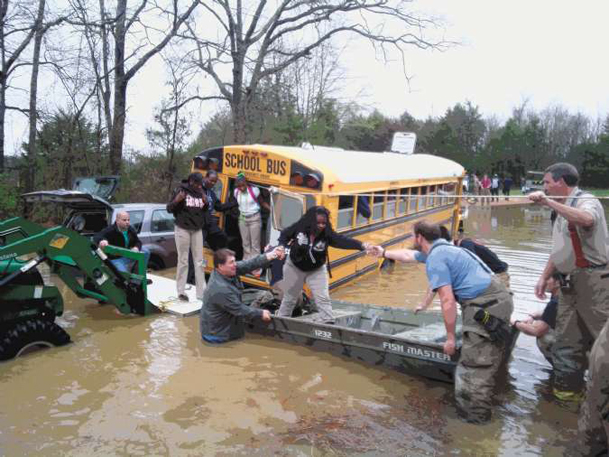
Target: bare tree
{"points": [[18, 21], [138, 33], [40, 29], [255, 39], [173, 130]]}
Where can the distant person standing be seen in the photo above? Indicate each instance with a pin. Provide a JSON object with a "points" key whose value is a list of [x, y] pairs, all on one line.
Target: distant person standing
{"points": [[495, 188], [188, 204], [507, 186], [485, 184]]}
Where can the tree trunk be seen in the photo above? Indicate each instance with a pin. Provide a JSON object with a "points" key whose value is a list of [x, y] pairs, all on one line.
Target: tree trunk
{"points": [[118, 128], [33, 111], [105, 83], [2, 117], [117, 134]]}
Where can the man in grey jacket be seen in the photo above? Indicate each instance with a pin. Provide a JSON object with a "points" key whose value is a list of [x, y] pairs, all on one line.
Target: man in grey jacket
{"points": [[226, 305]]}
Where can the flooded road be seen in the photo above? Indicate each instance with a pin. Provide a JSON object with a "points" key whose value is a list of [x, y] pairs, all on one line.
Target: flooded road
{"points": [[148, 386]]}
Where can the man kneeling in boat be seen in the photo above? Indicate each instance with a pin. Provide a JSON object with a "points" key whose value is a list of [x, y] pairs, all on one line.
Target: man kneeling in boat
{"points": [[226, 305], [460, 276]]}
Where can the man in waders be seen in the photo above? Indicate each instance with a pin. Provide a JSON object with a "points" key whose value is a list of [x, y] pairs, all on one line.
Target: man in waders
{"points": [[580, 254], [460, 276]]}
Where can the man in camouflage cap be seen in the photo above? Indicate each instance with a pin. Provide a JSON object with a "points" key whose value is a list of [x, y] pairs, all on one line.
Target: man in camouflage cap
{"points": [[580, 254]]}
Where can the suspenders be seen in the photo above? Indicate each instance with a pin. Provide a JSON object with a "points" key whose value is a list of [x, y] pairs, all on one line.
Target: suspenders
{"points": [[580, 260]]}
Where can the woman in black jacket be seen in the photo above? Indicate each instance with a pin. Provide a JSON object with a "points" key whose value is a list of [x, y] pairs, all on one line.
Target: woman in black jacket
{"points": [[308, 240]]}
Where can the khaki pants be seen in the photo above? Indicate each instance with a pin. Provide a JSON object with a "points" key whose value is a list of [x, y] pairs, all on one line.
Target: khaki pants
{"points": [[546, 346], [250, 229], [481, 358], [189, 240], [293, 281], [583, 309], [594, 414]]}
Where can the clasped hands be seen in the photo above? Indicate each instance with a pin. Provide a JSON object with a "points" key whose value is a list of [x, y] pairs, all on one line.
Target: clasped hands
{"points": [[373, 250], [277, 253]]}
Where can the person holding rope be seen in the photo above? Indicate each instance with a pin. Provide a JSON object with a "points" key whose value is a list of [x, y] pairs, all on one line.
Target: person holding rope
{"points": [[461, 277], [580, 254]]}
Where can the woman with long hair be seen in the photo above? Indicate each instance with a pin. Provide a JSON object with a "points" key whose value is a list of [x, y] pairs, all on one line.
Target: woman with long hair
{"points": [[308, 240]]}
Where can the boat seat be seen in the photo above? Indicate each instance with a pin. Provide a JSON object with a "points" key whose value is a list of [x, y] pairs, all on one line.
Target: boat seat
{"points": [[342, 318], [431, 332]]}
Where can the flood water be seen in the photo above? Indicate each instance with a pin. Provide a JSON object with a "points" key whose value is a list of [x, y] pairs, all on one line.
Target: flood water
{"points": [[148, 386]]}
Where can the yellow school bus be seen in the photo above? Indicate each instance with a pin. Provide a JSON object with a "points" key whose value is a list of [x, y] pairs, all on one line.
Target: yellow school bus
{"points": [[396, 189]]}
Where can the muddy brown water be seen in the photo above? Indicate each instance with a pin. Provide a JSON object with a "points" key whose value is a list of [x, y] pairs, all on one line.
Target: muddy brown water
{"points": [[148, 386]]}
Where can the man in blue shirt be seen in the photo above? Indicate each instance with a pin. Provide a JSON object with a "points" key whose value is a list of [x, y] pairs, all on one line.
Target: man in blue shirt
{"points": [[460, 276]]}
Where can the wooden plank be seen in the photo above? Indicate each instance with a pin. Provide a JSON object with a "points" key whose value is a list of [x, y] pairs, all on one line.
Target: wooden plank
{"points": [[162, 294]]}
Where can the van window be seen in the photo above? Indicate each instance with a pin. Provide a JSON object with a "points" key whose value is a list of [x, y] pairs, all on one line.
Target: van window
{"points": [[136, 218], [391, 203], [345, 211], [162, 221], [403, 200], [377, 206], [414, 199]]}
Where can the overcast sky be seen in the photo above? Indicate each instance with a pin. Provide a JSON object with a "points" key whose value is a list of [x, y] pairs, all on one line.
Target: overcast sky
{"points": [[549, 52], [546, 52]]}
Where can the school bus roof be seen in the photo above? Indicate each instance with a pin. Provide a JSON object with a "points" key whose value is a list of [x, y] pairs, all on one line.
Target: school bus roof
{"points": [[339, 165]]}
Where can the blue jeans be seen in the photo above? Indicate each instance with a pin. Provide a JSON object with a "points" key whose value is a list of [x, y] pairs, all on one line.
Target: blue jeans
{"points": [[124, 265]]}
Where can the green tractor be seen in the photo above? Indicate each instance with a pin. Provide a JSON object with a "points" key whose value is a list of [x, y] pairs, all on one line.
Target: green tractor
{"points": [[28, 310], [28, 306]]}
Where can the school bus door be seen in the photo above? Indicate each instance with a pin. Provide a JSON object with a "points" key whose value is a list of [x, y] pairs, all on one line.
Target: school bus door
{"points": [[286, 208]]}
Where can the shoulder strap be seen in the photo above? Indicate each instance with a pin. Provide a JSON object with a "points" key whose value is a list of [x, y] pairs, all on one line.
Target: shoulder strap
{"points": [[580, 259], [251, 191], [471, 254]]}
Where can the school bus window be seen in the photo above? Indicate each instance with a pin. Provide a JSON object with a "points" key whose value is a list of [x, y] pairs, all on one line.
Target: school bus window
{"points": [[218, 188], [391, 203], [414, 199], [345, 211], [440, 200], [363, 210], [377, 206], [287, 210], [422, 198], [450, 189], [432, 200], [296, 179], [312, 181], [403, 201]]}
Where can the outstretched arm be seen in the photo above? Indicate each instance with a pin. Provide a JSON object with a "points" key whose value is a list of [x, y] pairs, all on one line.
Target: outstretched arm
{"points": [[401, 255]]}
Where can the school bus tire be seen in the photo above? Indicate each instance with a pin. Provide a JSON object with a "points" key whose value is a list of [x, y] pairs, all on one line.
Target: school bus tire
{"points": [[21, 337]]}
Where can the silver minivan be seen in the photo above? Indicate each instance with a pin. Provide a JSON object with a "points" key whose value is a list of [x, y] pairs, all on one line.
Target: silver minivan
{"points": [[88, 212]]}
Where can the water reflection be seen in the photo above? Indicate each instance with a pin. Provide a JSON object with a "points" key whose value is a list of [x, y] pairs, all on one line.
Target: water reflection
{"points": [[148, 386]]}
